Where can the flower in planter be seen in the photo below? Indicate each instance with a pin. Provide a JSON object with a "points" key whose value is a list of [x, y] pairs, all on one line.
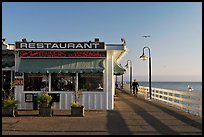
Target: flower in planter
{"points": [[75, 104], [10, 107], [10, 102], [77, 97], [76, 108], [44, 99]]}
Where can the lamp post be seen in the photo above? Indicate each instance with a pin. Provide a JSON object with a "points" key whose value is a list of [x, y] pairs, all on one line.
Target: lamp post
{"points": [[130, 73], [144, 57], [122, 82]]}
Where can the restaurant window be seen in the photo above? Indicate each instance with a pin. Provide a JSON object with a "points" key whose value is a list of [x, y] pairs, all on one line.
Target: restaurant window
{"points": [[91, 82], [63, 82], [35, 82]]}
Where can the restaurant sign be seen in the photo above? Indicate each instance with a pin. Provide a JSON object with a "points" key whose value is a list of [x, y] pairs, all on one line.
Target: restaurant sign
{"points": [[60, 45], [61, 54]]}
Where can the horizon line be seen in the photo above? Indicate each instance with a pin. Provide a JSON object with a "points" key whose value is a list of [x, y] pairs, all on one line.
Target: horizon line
{"points": [[162, 81]]}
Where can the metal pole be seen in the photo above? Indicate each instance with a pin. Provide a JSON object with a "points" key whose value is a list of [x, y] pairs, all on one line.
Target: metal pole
{"points": [[131, 77], [122, 82], [150, 88], [116, 84]]}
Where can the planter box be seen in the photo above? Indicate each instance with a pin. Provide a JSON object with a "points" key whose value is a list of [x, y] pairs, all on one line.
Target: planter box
{"points": [[9, 111], [45, 111], [77, 111]]}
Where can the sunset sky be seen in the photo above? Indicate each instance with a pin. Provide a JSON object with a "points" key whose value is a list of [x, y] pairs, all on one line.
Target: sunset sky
{"points": [[175, 27]]}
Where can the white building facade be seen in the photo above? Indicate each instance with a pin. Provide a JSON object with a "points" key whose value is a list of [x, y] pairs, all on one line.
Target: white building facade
{"points": [[62, 67]]}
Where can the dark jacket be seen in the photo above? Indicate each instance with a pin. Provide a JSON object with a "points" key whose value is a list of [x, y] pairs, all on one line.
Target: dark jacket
{"points": [[135, 84]]}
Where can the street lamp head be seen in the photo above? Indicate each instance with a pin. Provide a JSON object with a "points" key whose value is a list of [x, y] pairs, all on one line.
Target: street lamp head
{"points": [[144, 57]]}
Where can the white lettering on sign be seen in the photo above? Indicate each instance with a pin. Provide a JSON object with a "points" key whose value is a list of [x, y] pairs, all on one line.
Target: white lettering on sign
{"points": [[60, 45], [47, 45], [23, 45], [79, 46], [40, 45], [54, 46]]}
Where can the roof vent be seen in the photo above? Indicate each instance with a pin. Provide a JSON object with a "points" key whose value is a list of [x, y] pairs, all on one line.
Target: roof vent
{"points": [[3, 40], [24, 40], [96, 39]]}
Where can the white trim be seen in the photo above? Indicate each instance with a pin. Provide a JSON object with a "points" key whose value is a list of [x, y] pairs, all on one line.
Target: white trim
{"points": [[76, 81], [49, 82]]}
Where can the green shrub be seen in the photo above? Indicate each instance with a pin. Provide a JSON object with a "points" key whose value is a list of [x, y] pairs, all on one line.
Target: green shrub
{"points": [[10, 102], [44, 98], [75, 104]]}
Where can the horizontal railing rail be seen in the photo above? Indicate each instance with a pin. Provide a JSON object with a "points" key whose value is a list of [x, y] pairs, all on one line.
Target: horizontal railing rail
{"points": [[187, 101]]}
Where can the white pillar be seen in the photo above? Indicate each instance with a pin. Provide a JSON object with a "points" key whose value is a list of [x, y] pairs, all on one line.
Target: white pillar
{"points": [[49, 82], [110, 81], [76, 84]]}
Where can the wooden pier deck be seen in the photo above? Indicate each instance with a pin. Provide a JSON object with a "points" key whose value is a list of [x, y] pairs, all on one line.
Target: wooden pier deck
{"points": [[131, 116], [150, 117]]}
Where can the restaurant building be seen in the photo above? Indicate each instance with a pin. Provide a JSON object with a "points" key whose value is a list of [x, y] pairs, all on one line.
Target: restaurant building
{"points": [[60, 68]]}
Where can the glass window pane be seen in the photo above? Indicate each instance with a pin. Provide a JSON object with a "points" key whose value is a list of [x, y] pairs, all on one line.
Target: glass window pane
{"points": [[35, 82], [63, 82], [91, 82]]}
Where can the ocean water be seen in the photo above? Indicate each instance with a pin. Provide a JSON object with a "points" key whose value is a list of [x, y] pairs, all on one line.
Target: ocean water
{"points": [[180, 86]]}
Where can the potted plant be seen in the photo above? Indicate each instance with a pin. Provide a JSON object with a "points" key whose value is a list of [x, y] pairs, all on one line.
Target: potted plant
{"points": [[76, 108], [10, 107], [9, 103], [44, 100]]}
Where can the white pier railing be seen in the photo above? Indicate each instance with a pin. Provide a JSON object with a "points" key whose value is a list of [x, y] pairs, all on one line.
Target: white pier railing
{"points": [[187, 101]]}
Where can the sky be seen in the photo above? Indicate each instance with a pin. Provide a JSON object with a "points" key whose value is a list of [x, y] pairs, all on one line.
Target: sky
{"points": [[175, 29]]}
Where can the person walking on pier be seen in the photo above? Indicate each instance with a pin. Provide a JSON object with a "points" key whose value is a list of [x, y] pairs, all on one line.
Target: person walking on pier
{"points": [[135, 86]]}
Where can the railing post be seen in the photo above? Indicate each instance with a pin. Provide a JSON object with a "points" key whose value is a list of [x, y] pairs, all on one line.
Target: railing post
{"points": [[189, 98]]}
